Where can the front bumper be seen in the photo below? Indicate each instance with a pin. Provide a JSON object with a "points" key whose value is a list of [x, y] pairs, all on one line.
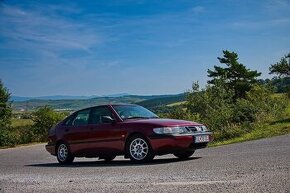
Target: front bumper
{"points": [[162, 144]]}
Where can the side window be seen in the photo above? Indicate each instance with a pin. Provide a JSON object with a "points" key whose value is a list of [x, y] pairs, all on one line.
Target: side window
{"points": [[98, 114], [82, 118], [69, 120]]}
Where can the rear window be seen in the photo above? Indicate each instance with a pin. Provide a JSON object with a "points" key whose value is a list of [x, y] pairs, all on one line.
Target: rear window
{"points": [[81, 118]]}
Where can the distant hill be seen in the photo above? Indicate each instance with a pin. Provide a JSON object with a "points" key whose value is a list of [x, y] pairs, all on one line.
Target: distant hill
{"points": [[54, 97], [63, 97], [116, 95], [74, 104]]}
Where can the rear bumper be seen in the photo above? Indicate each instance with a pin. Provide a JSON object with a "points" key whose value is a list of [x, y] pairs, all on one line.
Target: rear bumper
{"points": [[163, 144], [50, 148]]}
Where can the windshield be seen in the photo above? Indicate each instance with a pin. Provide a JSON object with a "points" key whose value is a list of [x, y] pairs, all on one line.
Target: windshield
{"points": [[133, 112]]}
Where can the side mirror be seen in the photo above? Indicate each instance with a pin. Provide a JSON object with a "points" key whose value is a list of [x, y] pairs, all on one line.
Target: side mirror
{"points": [[107, 119]]}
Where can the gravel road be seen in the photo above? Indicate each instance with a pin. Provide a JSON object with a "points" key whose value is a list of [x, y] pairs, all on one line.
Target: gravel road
{"points": [[255, 166]]}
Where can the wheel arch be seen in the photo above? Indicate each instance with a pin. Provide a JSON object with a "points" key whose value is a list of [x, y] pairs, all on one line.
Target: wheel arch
{"points": [[131, 135], [59, 142]]}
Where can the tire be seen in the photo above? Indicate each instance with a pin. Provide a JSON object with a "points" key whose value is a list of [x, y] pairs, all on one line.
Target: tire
{"points": [[64, 155], [109, 158], [139, 150], [184, 155]]}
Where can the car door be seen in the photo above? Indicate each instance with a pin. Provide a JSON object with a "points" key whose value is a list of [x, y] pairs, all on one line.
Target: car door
{"points": [[106, 135], [77, 132]]}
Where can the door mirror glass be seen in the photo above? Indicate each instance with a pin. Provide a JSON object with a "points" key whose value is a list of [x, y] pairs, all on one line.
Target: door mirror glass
{"points": [[101, 115]]}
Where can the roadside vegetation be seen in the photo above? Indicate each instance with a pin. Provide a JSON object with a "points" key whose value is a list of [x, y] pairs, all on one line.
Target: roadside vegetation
{"points": [[235, 104], [25, 127]]}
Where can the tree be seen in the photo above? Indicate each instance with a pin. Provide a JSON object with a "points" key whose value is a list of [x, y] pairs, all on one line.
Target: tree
{"points": [[5, 107], [282, 68], [235, 76]]}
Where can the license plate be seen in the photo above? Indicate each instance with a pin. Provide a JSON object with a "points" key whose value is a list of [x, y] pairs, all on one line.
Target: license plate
{"points": [[201, 138]]}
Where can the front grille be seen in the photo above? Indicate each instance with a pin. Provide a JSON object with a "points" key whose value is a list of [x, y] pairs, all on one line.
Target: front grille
{"points": [[194, 129]]}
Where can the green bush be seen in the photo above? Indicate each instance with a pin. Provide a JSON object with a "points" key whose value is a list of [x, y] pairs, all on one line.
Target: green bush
{"points": [[6, 139], [27, 132], [17, 135], [227, 117], [213, 105], [44, 118], [230, 131], [179, 112], [260, 105]]}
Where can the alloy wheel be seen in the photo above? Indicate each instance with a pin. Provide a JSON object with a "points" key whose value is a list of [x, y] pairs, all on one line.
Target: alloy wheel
{"points": [[62, 152], [139, 149]]}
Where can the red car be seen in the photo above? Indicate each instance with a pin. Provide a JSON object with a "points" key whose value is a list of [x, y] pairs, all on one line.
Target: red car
{"points": [[131, 130]]}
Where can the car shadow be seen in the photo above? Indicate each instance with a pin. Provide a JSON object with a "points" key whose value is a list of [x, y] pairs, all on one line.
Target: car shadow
{"points": [[114, 163]]}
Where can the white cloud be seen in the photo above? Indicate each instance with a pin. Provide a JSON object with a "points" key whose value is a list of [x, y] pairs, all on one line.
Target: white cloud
{"points": [[45, 30]]}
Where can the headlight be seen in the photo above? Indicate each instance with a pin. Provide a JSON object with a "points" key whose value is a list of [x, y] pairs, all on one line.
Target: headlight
{"points": [[170, 130]]}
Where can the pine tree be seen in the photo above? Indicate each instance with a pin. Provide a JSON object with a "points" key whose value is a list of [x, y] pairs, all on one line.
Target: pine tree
{"points": [[235, 76], [282, 68]]}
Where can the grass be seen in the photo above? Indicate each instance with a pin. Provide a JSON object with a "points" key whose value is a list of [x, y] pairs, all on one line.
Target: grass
{"points": [[21, 122], [263, 131]]}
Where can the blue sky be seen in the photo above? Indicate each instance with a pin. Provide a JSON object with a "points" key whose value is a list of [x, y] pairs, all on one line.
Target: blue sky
{"points": [[133, 46]]}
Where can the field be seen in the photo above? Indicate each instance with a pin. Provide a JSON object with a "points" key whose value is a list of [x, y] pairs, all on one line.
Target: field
{"points": [[21, 122]]}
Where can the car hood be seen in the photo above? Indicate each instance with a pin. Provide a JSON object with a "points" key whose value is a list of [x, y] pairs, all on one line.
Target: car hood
{"points": [[162, 122]]}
